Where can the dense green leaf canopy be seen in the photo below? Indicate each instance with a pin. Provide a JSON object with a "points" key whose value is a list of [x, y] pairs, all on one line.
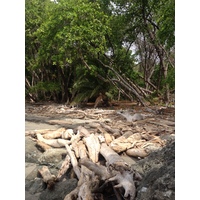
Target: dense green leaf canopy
{"points": [[76, 49]]}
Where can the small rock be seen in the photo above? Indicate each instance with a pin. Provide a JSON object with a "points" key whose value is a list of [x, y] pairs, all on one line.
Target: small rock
{"points": [[60, 191], [31, 152], [35, 186], [52, 156]]}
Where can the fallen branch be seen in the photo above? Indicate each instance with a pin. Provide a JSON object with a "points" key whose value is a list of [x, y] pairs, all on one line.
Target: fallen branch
{"points": [[53, 142], [73, 161], [65, 166], [47, 177], [43, 146], [97, 169]]}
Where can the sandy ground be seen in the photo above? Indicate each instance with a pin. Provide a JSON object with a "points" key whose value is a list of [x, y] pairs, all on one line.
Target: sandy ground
{"points": [[32, 126], [29, 167]]}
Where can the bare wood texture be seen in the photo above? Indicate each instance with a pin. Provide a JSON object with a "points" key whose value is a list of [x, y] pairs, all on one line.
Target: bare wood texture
{"points": [[137, 153], [99, 170], [87, 180], [107, 136], [54, 134], [47, 177], [65, 166], [125, 180], [34, 132], [67, 134], [124, 175], [74, 143], [125, 142], [82, 151], [73, 195], [43, 145], [112, 158], [53, 142], [109, 129], [73, 161], [93, 147], [84, 188], [83, 131]]}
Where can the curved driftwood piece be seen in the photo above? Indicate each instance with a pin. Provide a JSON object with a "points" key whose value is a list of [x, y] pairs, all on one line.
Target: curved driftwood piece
{"points": [[72, 195], [87, 183], [53, 142], [42, 131], [112, 158], [117, 170], [43, 146], [54, 134]]}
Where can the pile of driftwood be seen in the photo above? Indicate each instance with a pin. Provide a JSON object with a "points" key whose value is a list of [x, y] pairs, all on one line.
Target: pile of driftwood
{"points": [[95, 155]]}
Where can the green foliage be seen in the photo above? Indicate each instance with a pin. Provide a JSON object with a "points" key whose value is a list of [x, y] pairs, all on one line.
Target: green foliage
{"points": [[60, 36], [170, 80], [80, 29], [165, 16], [87, 85]]}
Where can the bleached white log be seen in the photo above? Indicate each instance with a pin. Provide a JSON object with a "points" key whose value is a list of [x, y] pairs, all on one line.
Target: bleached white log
{"points": [[73, 161], [54, 134], [93, 146], [53, 142]]}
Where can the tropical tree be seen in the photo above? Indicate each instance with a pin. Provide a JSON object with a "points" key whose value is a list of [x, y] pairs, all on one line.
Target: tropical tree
{"points": [[70, 31], [76, 49]]}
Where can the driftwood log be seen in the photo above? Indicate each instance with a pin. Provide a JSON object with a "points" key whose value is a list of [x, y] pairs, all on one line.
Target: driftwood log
{"points": [[116, 170], [65, 166], [48, 178], [53, 142], [94, 155], [83, 152]]}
